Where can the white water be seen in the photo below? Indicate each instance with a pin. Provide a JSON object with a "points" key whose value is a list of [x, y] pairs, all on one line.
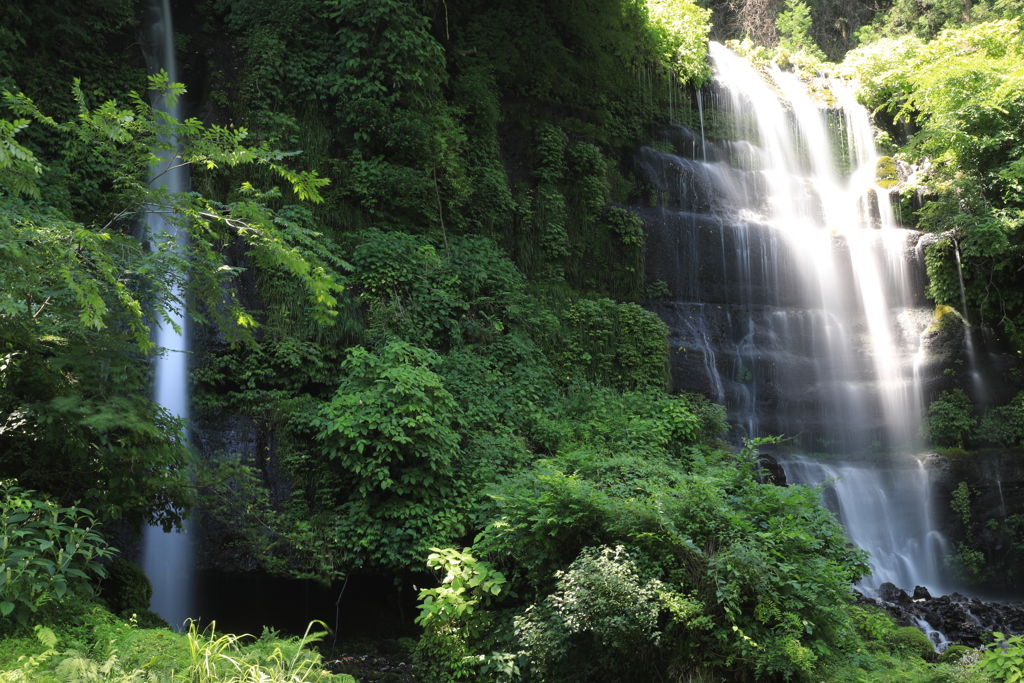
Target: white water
{"points": [[813, 208], [886, 509], [938, 638], [802, 298], [167, 557]]}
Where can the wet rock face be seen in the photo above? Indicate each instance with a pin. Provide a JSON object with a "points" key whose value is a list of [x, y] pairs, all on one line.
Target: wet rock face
{"points": [[962, 620], [748, 324], [771, 471]]}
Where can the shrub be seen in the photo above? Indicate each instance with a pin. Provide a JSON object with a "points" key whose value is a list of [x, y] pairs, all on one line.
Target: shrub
{"points": [[47, 552], [949, 421], [602, 618], [456, 624], [392, 485], [911, 640], [126, 588], [1003, 660], [620, 345], [740, 576], [953, 654], [1004, 426]]}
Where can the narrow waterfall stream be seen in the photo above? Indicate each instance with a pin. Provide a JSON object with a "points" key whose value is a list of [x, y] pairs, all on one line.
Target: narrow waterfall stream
{"points": [[798, 300], [167, 557]]}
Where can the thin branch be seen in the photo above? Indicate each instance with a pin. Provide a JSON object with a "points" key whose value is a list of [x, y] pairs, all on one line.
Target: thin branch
{"points": [[440, 216], [41, 307]]}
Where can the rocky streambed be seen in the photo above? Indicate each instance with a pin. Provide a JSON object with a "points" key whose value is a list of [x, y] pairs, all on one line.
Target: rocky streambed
{"points": [[949, 619]]}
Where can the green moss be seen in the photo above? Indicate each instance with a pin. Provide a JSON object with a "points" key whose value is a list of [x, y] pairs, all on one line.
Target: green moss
{"points": [[885, 173], [911, 641], [953, 654]]}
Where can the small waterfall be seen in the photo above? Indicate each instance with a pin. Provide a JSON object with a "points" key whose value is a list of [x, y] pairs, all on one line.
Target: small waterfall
{"points": [[938, 638], [789, 274], [700, 110], [972, 356], [886, 509], [167, 557]]}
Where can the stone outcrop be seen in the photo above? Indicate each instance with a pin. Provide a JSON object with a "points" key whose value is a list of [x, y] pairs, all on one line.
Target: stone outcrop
{"points": [[961, 620]]}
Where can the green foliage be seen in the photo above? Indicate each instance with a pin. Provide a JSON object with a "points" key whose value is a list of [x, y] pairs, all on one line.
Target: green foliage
{"points": [[387, 52], [47, 552], [391, 479], [456, 623], [927, 19], [621, 345], [794, 26], [962, 92], [943, 280], [715, 537], [961, 504], [121, 652], [912, 641], [681, 31], [79, 299], [126, 587], [880, 68], [440, 296], [224, 659], [950, 421], [1004, 426], [135, 138], [953, 654], [1003, 660], [968, 564], [18, 165], [603, 617]]}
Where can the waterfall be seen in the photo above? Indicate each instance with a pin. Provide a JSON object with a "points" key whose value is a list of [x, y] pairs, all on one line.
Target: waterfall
{"points": [[797, 298], [167, 557], [886, 508]]}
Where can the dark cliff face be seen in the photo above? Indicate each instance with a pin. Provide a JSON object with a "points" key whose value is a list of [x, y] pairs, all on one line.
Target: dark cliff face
{"points": [[747, 325], [745, 315], [989, 529]]}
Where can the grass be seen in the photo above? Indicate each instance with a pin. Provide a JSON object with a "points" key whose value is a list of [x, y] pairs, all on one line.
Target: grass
{"points": [[101, 648]]}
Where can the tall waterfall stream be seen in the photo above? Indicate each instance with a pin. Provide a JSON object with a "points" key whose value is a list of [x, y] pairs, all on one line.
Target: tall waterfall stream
{"points": [[798, 301], [167, 557]]}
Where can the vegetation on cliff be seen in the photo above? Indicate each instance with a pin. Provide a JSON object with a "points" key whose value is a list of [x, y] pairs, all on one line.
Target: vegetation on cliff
{"points": [[442, 347]]}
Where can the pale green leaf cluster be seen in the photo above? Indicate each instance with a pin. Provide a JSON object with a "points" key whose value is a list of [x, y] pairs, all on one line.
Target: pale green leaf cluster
{"points": [[18, 166], [794, 26], [682, 29], [47, 552]]}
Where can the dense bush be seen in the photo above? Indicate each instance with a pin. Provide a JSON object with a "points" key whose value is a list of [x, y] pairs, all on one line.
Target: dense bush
{"points": [[602, 620], [911, 640], [950, 420], [48, 553], [718, 572], [126, 588], [1004, 426]]}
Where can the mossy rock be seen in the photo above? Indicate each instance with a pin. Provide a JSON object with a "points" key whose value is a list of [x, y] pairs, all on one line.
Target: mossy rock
{"points": [[953, 654], [911, 640], [126, 587]]}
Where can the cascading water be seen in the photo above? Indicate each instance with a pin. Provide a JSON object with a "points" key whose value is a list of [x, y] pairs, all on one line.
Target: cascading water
{"points": [[798, 299], [167, 557]]}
